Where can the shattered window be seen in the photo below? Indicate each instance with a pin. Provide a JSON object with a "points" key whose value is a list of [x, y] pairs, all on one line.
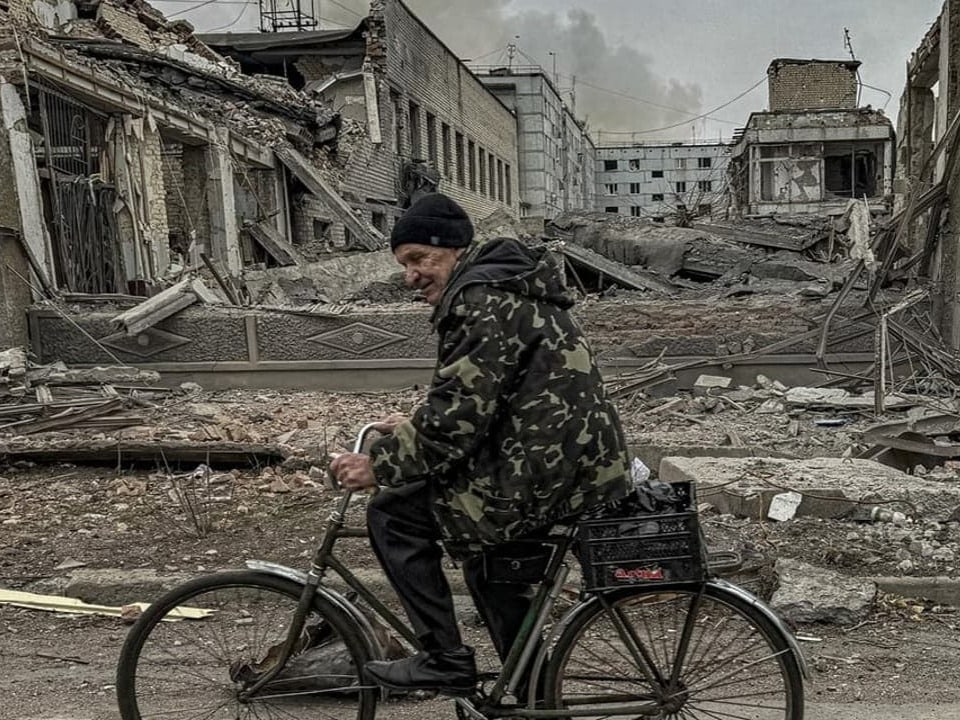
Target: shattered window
{"points": [[461, 170], [851, 174], [432, 155], [681, 163], [635, 164], [471, 162], [416, 148], [657, 197], [611, 188]]}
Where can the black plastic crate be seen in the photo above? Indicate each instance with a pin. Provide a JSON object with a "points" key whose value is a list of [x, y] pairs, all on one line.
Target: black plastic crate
{"points": [[643, 548]]}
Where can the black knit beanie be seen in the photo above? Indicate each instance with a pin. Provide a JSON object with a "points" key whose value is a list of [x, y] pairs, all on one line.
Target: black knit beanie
{"points": [[434, 220]]}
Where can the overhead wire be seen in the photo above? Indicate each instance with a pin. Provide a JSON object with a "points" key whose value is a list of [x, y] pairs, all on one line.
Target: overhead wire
{"points": [[626, 96], [199, 5], [242, 12], [697, 117]]}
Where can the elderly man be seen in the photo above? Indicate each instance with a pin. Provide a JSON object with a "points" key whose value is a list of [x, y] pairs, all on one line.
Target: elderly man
{"points": [[515, 433]]}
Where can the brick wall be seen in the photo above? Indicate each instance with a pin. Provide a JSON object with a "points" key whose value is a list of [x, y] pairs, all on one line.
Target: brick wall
{"points": [[195, 194], [421, 70], [178, 222], [813, 85]]}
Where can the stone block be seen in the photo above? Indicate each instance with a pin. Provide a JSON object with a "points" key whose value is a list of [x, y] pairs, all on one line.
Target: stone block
{"points": [[831, 487], [113, 586], [809, 594], [711, 384]]}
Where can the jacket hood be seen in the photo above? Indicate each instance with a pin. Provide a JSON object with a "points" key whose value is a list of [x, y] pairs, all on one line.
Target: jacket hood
{"points": [[509, 265]]}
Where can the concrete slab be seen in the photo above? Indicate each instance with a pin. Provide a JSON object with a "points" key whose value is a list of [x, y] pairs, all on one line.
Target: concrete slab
{"points": [[653, 454], [831, 487], [943, 590], [112, 586]]}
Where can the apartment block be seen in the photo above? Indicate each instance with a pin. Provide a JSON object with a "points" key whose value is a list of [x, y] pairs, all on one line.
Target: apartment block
{"points": [[557, 158], [658, 180]]}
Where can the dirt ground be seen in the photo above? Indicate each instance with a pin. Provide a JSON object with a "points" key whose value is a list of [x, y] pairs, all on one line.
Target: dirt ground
{"points": [[53, 517]]}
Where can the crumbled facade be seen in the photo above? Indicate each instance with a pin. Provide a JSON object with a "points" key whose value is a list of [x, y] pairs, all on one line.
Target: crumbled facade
{"points": [[808, 157], [136, 153], [662, 180], [422, 120], [557, 158], [928, 146]]}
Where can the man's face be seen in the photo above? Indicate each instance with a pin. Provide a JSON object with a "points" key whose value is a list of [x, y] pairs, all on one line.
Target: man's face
{"points": [[427, 268]]}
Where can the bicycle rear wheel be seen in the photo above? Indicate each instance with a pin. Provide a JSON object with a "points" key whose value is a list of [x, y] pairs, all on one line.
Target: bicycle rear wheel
{"points": [[675, 652], [197, 668]]}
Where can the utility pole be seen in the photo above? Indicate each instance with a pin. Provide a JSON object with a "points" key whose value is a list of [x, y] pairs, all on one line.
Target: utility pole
{"points": [[511, 52]]}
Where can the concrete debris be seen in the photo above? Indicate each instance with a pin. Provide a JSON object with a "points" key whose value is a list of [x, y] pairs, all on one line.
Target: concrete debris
{"points": [[808, 594], [161, 306]]}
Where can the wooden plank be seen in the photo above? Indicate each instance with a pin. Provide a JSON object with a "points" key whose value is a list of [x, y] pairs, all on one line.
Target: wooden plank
{"points": [[75, 606], [270, 240], [215, 454], [65, 419], [227, 288], [367, 236]]}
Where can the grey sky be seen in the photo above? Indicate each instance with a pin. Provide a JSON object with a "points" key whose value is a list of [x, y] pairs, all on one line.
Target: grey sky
{"points": [[677, 59]]}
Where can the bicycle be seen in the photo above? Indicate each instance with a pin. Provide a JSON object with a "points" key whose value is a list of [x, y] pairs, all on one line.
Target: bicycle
{"points": [[292, 646]]}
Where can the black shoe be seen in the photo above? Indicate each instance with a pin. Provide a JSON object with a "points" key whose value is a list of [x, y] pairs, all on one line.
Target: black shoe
{"points": [[452, 672]]}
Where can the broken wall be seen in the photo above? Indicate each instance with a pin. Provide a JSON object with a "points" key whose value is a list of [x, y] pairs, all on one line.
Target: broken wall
{"points": [[429, 80], [812, 85], [929, 107], [14, 268]]}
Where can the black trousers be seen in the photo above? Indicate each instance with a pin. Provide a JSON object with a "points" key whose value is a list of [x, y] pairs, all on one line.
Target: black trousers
{"points": [[405, 538]]}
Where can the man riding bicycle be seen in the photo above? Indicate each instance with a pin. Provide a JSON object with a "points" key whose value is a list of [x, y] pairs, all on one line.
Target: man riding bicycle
{"points": [[516, 432]]}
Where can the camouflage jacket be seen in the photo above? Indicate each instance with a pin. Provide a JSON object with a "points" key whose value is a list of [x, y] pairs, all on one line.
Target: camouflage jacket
{"points": [[516, 430]]}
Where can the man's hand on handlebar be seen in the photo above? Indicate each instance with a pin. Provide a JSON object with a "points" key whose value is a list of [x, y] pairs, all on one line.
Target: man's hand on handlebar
{"points": [[389, 423], [353, 471]]}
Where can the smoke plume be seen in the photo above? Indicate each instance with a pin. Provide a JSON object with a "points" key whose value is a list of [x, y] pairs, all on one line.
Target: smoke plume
{"points": [[615, 89]]}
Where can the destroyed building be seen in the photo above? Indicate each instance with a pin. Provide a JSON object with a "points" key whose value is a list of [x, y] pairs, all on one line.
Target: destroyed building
{"points": [[928, 147], [429, 122], [660, 179], [136, 152], [140, 159], [556, 155], [814, 149]]}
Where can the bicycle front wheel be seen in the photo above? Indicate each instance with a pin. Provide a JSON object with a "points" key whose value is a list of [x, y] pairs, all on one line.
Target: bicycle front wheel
{"points": [[675, 652], [175, 664]]}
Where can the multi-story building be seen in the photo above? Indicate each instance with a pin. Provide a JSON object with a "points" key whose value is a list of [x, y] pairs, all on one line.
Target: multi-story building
{"points": [[658, 180], [557, 156], [814, 150], [423, 120]]}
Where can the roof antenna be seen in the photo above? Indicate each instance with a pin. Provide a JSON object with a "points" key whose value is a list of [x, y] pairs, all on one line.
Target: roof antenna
{"points": [[848, 45]]}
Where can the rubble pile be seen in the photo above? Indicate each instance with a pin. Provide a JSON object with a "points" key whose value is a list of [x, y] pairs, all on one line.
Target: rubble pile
{"points": [[44, 398]]}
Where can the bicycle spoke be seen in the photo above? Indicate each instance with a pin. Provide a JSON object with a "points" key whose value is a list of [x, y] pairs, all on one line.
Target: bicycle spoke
{"points": [[708, 660], [198, 671]]}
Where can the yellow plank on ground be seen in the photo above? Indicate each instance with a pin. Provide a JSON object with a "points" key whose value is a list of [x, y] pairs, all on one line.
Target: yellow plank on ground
{"points": [[73, 606]]}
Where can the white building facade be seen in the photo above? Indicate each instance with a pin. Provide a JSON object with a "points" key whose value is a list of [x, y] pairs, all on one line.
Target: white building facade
{"points": [[557, 158], [658, 180]]}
